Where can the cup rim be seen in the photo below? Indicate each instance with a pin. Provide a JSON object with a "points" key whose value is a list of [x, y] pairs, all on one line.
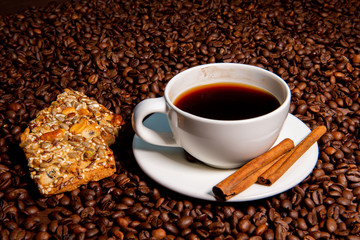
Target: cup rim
{"points": [[281, 108]]}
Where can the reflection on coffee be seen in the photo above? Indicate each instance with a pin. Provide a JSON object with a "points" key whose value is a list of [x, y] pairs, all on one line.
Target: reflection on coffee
{"points": [[227, 101]]}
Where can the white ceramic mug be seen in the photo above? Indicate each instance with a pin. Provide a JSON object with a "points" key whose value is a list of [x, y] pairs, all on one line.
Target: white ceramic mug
{"points": [[218, 143]]}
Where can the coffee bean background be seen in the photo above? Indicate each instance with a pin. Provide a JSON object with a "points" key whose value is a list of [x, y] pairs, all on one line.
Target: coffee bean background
{"points": [[121, 52]]}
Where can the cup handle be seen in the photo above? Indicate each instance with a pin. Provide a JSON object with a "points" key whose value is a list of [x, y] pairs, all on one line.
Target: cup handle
{"points": [[144, 109]]}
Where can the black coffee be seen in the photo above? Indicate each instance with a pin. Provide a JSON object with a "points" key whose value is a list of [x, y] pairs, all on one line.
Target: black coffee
{"points": [[227, 101]]}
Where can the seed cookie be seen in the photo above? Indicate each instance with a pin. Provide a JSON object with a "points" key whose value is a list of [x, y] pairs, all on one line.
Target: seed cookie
{"points": [[67, 144]]}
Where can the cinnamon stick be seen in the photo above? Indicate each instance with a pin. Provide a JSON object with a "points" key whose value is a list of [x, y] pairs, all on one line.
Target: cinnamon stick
{"points": [[278, 169], [245, 176]]}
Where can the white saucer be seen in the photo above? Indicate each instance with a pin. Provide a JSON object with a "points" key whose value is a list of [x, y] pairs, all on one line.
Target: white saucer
{"points": [[169, 167]]}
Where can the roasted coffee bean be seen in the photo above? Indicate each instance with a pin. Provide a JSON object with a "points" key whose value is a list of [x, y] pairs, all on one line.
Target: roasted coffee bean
{"points": [[31, 222], [31, 210], [53, 225], [312, 218], [216, 228], [91, 232], [301, 224], [202, 233], [309, 203], [42, 227], [334, 211], [171, 228], [158, 233], [17, 233], [331, 225], [5, 180], [286, 204], [269, 234], [185, 222], [260, 229], [42, 236], [281, 229], [20, 194], [244, 225], [317, 197]]}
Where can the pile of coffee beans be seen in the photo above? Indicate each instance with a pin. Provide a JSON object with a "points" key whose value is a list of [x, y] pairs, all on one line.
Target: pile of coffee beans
{"points": [[121, 52]]}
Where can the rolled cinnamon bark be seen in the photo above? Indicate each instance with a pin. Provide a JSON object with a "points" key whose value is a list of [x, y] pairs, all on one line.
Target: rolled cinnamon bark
{"points": [[248, 174], [278, 169]]}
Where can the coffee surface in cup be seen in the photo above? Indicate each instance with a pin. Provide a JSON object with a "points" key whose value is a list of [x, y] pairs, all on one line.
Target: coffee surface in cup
{"points": [[227, 101]]}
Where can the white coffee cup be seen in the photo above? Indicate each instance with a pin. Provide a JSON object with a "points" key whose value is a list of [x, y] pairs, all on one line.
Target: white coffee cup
{"points": [[218, 143]]}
